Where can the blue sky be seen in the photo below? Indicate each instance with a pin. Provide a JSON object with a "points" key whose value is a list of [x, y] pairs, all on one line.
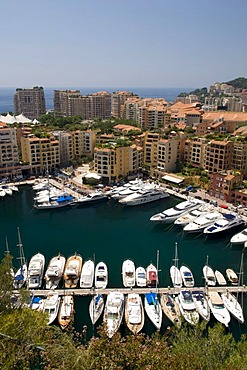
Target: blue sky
{"points": [[125, 43]]}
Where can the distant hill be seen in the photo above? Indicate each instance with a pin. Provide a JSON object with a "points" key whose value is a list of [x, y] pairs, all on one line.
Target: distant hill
{"points": [[238, 83]]}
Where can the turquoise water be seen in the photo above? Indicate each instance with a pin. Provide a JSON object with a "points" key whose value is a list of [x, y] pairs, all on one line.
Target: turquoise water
{"points": [[112, 233]]}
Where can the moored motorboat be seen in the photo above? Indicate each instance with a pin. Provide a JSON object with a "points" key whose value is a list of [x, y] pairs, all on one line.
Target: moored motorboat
{"points": [[239, 238], [152, 276], [61, 201], [94, 197], [171, 214], [217, 308], [171, 309], [201, 304], [153, 309], [233, 306], [35, 271], [144, 196], [96, 307], [113, 313], [220, 278], [87, 274], [66, 310], [128, 273], [187, 306], [209, 275], [101, 276], [201, 222], [187, 276], [191, 215], [232, 276], [134, 312], [175, 274], [72, 271], [51, 306], [54, 272], [225, 223], [141, 277]]}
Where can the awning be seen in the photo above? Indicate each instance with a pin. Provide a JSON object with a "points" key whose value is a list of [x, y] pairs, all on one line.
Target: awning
{"points": [[172, 179]]}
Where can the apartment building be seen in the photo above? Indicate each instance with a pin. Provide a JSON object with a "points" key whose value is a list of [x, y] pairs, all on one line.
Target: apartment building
{"points": [[239, 157], [30, 102], [224, 183], [218, 156], [64, 101], [168, 155], [83, 143], [193, 152], [151, 150], [114, 163], [189, 114], [40, 153], [118, 99], [229, 121], [65, 147], [9, 158], [100, 105]]}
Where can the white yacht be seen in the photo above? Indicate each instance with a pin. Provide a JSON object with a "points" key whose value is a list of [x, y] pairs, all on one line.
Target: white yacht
{"points": [[128, 273], [233, 306], [87, 274], [35, 271], [220, 278], [201, 304], [209, 275], [134, 312], [96, 307], [51, 306], [187, 307], [144, 196], [191, 215], [153, 309], [171, 214], [66, 310], [152, 276], [239, 238], [113, 313], [227, 222], [94, 197], [171, 309], [175, 274], [72, 271], [54, 272], [200, 223], [101, 276], [141, 277], [187, 276], [217, 308], [232, 276]]}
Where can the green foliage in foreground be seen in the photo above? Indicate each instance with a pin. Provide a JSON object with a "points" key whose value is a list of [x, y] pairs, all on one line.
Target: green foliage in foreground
{"points": [[28, 343]]}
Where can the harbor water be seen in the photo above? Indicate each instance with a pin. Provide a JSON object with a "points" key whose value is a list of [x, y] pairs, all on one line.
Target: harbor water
{"points": [[110, 232]]}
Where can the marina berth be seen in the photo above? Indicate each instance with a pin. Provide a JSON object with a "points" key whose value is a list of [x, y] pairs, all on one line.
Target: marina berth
{"points": [[35, 271], [113, 313], [220, 278], [54, 272], [171, 214], [187, 307], [134, 312], [87, 274], [153, 309], [72, 271], [187, 276], [232, 276], [203, 221], [144, 196], [101, 276], [51, 306], [233, 306], [96, 307], [141, 277], [66, 310], [217, 308], [239, 238], [128, 273], [171, 309], [201, 304], [227, 222]]}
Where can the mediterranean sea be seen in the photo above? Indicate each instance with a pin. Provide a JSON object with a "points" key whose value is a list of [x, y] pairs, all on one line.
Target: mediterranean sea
{"points": [[111, 233], [169, 94]]}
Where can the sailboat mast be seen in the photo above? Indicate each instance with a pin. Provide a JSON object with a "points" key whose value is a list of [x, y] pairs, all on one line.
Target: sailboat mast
{"points": [[7, 245], [157, 264], [20, 246]]}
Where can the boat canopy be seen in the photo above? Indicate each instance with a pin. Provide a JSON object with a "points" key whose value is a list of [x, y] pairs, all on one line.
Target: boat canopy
{"points": [[151, 298], [229, 216]]}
